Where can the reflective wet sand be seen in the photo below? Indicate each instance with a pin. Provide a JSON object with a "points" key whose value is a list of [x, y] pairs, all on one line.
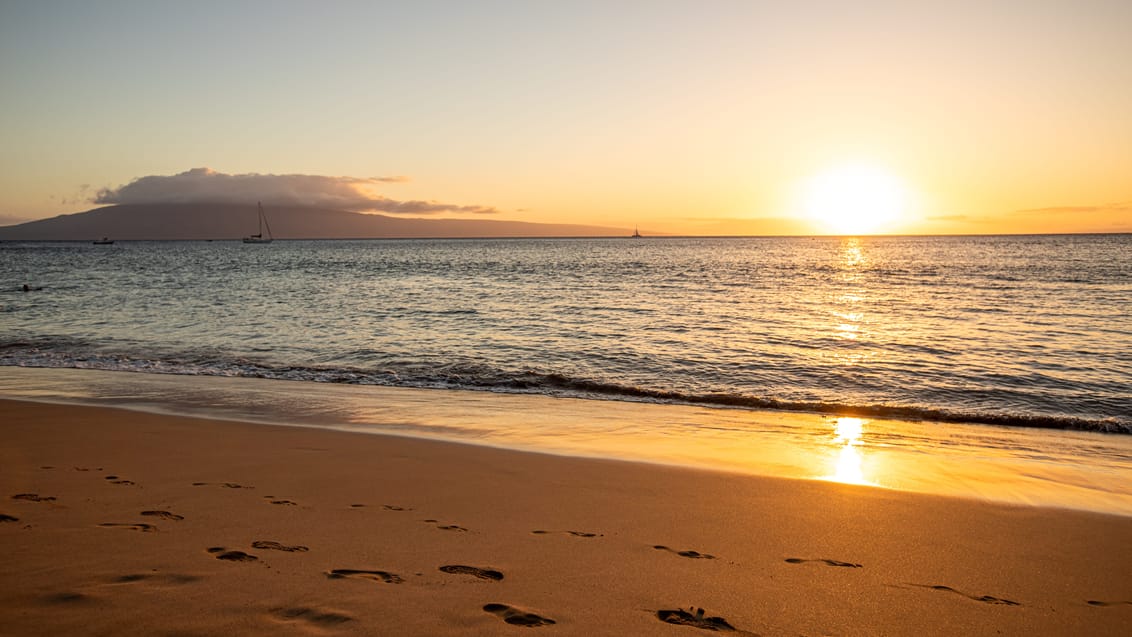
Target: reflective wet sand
{"points": [[1015, 465]]}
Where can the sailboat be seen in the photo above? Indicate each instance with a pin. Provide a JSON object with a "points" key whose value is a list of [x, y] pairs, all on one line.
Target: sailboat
{"points": [[636, 233], [258, 237], [104, 241]]}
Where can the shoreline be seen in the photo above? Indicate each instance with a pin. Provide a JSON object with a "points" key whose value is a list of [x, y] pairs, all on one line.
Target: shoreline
{"points": [[767, 555], [1064, 469]]}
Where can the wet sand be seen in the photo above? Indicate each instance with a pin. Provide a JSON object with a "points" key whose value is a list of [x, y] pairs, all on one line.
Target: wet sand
{"points": [[120, 522]]}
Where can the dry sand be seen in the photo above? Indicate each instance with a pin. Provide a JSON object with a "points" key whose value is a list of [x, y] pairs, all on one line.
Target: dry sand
{"points": [[126, 523]]}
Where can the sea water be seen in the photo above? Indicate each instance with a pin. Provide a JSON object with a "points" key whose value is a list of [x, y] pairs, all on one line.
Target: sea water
{"points": [[1006, 330], [992, 367]]}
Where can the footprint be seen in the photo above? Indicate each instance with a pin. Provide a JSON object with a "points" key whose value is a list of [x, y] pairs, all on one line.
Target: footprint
{"points": [[482, 573], [4, 517], [226, 485], [164, 515], [517, 616], [695, 618], [117, 480], [574, 533], [1093, 602], [447, 527], [34, 497], [135, 526], [695, 555], [310, 615], [161, 578], [356, 506], [986, 599], [276, 546], [222, 553], [68, 598], [799, 560], [130, 579], [377, 576], [391, 507], [284, 502]]}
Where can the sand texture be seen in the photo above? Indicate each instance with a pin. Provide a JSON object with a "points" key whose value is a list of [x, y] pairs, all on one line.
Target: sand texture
{"points": [[125, 523]]}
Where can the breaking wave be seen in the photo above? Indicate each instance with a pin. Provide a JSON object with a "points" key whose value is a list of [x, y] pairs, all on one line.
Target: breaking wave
{"points": [[486, 378]]}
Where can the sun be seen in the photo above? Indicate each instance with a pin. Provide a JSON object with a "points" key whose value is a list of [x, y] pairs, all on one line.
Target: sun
{"points": [[855, 199]]}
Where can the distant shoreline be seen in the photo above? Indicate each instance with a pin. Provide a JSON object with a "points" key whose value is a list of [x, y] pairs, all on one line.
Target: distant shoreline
{"points": [[602, 236]]}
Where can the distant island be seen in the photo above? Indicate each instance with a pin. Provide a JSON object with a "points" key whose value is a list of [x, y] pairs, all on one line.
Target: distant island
{"points": [[233, 221]]}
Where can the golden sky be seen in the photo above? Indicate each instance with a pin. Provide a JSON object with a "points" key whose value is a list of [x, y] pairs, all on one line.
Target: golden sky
{"points": [[678, 117]]}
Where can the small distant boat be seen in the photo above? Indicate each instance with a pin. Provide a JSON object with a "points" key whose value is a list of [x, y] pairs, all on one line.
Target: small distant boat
{"points": [[636, 233], [258, 237], [104, 241]]}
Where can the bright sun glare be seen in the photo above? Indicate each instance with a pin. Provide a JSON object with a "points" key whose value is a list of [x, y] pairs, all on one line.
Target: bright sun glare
{"points": [[855, 199]]}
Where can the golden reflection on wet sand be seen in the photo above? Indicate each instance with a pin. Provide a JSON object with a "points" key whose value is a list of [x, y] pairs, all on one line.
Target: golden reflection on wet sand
{"points": [[1023, 466], [848, 464]]}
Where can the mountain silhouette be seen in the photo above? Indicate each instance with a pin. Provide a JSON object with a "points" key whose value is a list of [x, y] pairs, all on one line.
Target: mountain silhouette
{"points": [[233, 221]]}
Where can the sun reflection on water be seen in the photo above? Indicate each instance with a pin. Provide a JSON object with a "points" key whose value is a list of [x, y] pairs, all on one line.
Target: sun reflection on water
{"points": [[852, 253], [848, 308], [848, 466]]}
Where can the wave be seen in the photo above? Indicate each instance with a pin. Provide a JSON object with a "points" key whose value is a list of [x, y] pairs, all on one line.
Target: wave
{"points": [[486, 378]]}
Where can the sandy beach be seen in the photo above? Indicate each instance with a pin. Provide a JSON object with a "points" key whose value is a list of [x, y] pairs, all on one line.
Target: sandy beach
{"points": [[127, 523]]}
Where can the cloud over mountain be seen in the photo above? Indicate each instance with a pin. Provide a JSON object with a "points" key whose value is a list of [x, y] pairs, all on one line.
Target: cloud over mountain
{"points": [[204, 185]]}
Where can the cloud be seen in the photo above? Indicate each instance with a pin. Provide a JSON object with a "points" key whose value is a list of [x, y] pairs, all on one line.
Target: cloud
{"points": [[1079, 210], [81, 195], [204, 185]]}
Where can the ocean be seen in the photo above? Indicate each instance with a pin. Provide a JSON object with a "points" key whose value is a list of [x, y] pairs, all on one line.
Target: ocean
{"points": [[1008, 330], [990, 367]]}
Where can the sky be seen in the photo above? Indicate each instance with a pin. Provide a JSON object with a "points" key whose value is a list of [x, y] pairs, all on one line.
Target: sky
{"points": [[702, 117]]}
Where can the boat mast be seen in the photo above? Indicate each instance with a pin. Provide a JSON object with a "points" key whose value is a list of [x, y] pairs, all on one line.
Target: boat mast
{"points": [[263, 222]]}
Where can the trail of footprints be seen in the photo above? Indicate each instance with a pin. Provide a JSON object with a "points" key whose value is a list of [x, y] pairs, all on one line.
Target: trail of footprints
{"points": [[693, 617], [509, 614]]}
